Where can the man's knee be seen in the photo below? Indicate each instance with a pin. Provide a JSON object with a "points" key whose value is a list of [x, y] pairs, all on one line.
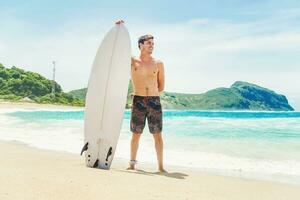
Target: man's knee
{"points": [[135, 137], [157, 137]]}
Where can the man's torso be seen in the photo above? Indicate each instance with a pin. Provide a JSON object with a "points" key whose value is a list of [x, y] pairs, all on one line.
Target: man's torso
{"points": [[144, 77]]}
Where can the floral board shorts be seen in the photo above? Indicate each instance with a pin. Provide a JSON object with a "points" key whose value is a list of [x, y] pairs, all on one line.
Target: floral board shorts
{"points": [[146, 107]]}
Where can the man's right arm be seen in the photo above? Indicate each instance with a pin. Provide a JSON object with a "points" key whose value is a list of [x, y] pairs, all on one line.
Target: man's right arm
{"points": [[132, 61], [132, 65]]}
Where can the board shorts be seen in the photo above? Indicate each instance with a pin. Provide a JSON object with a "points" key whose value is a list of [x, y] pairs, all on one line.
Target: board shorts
{"points": [[146, 107]]}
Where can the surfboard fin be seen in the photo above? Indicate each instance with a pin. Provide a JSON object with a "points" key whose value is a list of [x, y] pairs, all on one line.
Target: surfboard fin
{"points": [[109, 153], [84, 148], [96, 163]]}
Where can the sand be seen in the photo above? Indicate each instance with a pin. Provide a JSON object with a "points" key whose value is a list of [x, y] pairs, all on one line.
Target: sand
{"points": [[31, 173], [32, 106]]}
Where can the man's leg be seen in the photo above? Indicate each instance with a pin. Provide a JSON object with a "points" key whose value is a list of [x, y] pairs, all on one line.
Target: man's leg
{"points": [[155, 127], [137, 124], [159, 150], [134, 145]]}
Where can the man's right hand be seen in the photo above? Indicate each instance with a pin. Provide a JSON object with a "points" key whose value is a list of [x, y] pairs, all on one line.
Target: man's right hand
{"points": [[119, 22]]}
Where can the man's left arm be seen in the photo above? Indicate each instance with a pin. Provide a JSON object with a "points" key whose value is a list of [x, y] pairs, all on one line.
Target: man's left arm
{"points": [[161, 77]]}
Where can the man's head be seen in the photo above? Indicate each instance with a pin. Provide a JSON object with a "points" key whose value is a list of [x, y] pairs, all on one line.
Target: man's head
{"points": [[146, 43]]}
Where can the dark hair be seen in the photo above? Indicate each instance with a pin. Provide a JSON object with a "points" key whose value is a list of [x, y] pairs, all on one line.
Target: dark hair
{"points": [[144, 38]]}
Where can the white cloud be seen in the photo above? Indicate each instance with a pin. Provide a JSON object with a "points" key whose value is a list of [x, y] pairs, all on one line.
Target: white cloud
{"points": [[282, 42]]}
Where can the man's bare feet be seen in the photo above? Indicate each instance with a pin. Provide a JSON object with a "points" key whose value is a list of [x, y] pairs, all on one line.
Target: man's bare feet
{"points": [[130, 168], [162, 170], [132, 164]]}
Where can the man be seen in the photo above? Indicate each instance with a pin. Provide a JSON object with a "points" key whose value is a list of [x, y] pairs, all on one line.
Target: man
{"points": [[147, 75]]}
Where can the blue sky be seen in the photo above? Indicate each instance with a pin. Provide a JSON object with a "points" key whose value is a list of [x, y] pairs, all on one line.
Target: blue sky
{"points": [[204, 44]]}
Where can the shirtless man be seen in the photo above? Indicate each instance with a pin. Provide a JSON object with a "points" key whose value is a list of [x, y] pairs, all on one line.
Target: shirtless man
{"points": [[147, 75]]}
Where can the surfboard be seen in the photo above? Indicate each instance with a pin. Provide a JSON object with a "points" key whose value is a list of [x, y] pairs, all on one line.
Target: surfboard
{"points": [[106, 98]]}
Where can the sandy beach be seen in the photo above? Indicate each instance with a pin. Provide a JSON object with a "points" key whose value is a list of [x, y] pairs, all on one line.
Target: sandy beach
{"points": [[31, 106], [30, 173]]}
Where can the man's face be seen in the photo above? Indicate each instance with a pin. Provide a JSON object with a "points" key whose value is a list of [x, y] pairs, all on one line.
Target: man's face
{"points": [[147, 46]]}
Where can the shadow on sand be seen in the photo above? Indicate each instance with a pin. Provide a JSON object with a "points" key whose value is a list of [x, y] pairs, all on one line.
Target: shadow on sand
{"points": [[176, 175]]}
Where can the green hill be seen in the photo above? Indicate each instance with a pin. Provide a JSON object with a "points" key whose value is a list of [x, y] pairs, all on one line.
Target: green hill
{"points": [[259, 98], [80, 93], [17, 84], [240, 96]]}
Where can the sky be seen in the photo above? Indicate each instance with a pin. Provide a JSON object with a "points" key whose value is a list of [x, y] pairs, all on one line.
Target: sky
{"points": [[203, 44]]}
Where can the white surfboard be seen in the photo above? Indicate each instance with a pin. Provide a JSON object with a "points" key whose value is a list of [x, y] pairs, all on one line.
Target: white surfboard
{"points": [[106, 98]]}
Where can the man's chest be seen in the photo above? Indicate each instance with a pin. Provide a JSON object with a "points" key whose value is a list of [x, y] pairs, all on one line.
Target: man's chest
{"points": [[139, 69]]}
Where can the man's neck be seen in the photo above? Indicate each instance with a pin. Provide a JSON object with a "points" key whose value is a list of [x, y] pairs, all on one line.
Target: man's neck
{"points": [[145, 57]]}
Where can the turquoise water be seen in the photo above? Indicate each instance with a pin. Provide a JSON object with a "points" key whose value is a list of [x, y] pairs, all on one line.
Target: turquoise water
{"points": [[173, 113], [264, 143], [205, 124]]}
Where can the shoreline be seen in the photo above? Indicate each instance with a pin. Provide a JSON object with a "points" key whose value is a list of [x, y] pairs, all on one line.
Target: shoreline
{"points": [[31, 173], [29, 105]]}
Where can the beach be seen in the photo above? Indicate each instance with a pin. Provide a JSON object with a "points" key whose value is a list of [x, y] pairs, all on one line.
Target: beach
{"points": [[33, 106], [30, 173], [53, 170]]}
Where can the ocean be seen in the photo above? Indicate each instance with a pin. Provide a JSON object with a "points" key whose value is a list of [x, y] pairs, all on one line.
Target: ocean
{"points": [[249, 144]]}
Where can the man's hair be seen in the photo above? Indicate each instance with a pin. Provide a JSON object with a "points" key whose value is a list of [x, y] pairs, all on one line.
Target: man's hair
{"points": [[144, 38]]}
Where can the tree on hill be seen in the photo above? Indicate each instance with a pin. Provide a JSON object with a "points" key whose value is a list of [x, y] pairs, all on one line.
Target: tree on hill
{"points": [[16, 84]]}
